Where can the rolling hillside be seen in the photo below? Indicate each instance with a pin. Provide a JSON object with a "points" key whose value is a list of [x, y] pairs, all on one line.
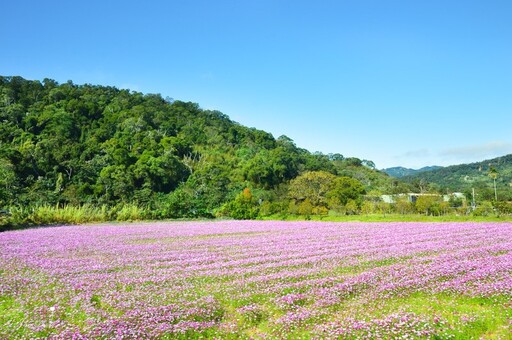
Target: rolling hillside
{"points": [[69, 144], [465, 177], [400, 171]]}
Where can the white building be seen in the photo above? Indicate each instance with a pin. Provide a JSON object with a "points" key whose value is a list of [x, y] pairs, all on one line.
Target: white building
{"points": [[412, 197]]}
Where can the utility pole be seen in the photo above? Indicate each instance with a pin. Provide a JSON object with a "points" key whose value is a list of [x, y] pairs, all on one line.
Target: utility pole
{"points": [[495, 192], [493, 173], [473, 204]]}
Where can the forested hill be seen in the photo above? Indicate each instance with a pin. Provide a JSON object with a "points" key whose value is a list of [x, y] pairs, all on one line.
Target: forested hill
{"points": [[75, 144], [465, 177]]}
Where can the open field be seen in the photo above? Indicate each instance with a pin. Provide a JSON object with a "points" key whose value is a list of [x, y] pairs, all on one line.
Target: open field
{"points": [[258, 279]]}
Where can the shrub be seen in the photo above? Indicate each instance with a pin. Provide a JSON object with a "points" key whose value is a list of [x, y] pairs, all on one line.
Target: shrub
{"points": [[484, 209], [243, 207]]}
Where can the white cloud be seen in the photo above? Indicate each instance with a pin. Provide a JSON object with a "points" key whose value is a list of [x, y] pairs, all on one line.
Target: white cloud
{"points": [[454, 155], [478, 152]]}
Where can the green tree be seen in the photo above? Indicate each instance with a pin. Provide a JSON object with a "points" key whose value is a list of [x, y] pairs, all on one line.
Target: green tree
{"points": [[313, 186], [484, 209], [243, 207], [428, 204], [7, 181], [86, 144], [115, 182], [268, 168], [305, 208], [347, 189], [162, 173], [368, 207], [351, 207], [403, 206]]}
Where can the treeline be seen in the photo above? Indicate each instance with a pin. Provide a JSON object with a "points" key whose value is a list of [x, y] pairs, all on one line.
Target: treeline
{"points": [[79, 153], [68, 145], [480, 176]]}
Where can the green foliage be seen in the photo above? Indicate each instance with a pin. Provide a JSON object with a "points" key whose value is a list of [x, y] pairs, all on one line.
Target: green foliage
{"points": [[316, 192], [7, 181], [482, 176], [46, 214], [313, 186], [131, 212], [484, 209], [347, 189], [268, 169], [429, 204], [183, 202], [102, 153], [243, 207], [67, 215], [503, 208]]}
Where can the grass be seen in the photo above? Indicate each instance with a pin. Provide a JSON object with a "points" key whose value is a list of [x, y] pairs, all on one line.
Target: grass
{"points": [[68, 214], [12, 315], [388, 218], [474, 317], [21, 217]]}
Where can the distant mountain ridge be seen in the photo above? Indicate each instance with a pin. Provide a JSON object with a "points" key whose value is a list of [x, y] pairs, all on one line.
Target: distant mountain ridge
{"points": [[465, 177], [400, 171]]}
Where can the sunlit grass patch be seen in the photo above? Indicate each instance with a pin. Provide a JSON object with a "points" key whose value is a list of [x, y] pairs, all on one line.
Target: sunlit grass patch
{"points": [[12, 318], [460, 316]]}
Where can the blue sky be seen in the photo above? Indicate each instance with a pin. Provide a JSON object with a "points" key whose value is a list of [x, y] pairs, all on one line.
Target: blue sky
{"points": [[409, 83]]}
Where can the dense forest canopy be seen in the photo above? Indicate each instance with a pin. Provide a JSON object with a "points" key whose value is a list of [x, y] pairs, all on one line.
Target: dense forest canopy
{"points": [[67, 145], [85, 144]]}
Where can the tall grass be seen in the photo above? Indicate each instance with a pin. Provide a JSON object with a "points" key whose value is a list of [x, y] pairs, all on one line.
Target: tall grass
{"points": [[68, 214], [20, 217], [131, 212]]}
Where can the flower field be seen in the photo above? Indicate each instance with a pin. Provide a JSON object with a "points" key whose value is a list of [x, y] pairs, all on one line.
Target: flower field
{"points": [[255, 279]]}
